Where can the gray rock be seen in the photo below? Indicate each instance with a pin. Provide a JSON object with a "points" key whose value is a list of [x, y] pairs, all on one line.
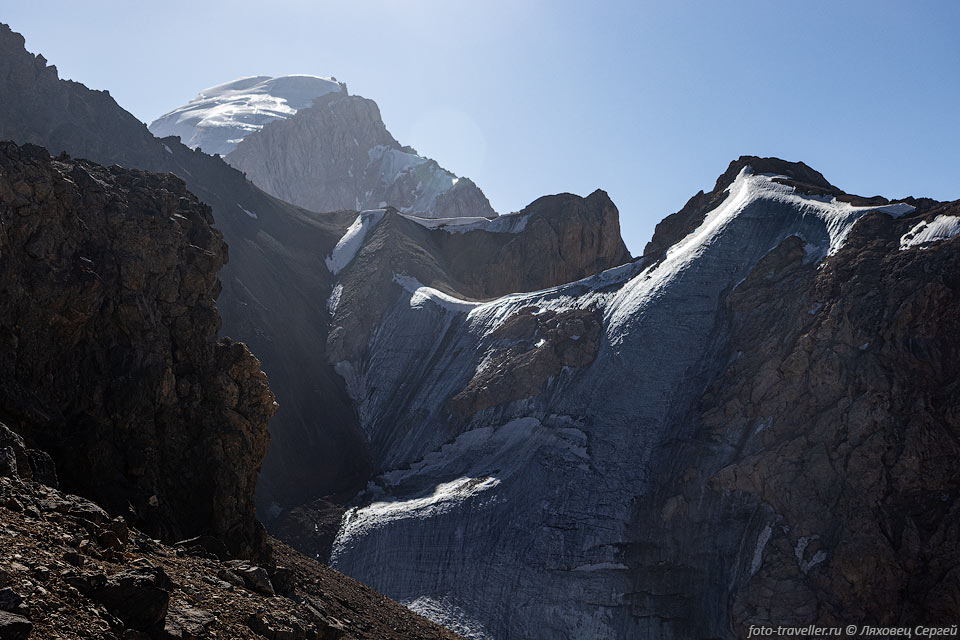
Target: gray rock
{"points": [[255, 578], [10, 600], [14, 627], [184, 622]]}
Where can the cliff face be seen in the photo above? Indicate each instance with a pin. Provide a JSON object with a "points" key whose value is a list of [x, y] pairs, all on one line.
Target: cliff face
{"points": [[845, 400], [555, 240], [110, 358], [338, 155]]}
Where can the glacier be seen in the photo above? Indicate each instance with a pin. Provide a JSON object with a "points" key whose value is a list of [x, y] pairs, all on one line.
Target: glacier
{"points": [[517, 521]]}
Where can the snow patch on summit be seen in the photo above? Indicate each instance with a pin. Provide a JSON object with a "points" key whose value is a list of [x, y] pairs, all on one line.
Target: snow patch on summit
{"points": [[508, 223], [221, 116]]}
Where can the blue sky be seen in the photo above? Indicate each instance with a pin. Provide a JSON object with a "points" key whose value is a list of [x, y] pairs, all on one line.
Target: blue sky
{"points": [[648, 101]]}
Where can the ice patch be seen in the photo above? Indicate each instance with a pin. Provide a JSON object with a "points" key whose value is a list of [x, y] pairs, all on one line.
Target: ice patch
{"points": [[939, 229], [247, 211], [508, 223], [446, 613], [762, 541], [799, 552], [423, 295], [444, 496], [334, 300], [353, 239]]}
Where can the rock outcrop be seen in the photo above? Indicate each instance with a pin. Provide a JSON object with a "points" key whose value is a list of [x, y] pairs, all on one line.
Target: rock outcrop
{"points": [[274, 287], [108, 327]]}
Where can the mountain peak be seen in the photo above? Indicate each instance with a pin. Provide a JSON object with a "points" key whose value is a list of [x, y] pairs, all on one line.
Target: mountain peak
{"points": [[798, 171], [219, 117]]}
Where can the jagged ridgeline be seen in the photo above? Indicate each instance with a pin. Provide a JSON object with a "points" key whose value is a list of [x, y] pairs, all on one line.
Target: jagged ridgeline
{"points": [[512, 427]]}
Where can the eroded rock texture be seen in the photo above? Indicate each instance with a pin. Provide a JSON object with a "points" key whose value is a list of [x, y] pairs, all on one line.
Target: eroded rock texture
{"points": [[108, 350]]}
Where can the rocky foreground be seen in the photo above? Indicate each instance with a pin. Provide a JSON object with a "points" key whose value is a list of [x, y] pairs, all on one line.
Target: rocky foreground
{"points": [[70, 570]]}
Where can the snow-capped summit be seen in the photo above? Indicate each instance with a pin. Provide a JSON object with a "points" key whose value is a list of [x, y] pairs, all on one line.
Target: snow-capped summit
{"points": [[221, 116], [324, 155]]}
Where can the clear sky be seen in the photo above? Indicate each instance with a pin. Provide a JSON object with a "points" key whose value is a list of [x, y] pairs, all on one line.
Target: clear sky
{"points": [[647, 100]]}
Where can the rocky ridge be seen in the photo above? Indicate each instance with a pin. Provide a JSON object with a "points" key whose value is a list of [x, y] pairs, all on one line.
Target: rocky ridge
{"points": [[848, 426]]}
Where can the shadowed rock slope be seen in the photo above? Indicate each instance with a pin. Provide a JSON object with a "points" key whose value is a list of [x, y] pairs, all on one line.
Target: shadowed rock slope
{"points": [[273, 288], [68, 570], [110, 362]]}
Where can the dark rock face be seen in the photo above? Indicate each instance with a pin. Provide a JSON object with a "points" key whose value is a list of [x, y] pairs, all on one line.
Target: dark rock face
{"points": [[109, 324], [846, 399], [273, 289], [14, 627], [816, 465], [17, 461]]}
